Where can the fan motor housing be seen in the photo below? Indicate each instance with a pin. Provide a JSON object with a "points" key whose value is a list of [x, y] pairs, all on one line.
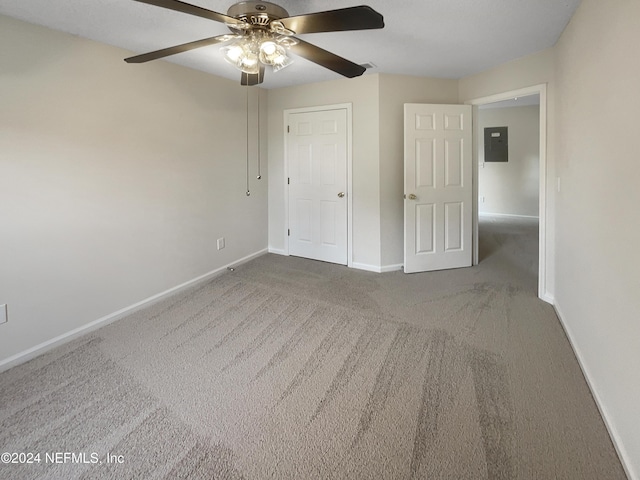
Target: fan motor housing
{"points": [[256, 12]]}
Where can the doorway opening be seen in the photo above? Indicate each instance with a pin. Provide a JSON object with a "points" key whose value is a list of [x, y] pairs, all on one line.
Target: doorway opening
{"points": [[522, 206]]}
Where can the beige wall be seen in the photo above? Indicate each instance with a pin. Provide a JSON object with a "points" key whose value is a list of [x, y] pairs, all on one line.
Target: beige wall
{"points": [[394, 92], [362, 93], [115, 181], [527, 71], [598, 224], [512, 187]]}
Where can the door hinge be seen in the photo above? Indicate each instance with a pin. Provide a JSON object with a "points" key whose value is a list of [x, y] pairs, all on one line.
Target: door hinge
{"points": [[288, 232], [288, 129], [288, 181]]}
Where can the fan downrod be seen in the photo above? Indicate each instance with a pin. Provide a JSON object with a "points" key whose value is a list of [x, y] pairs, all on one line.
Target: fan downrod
{"points": [[257, 13]]}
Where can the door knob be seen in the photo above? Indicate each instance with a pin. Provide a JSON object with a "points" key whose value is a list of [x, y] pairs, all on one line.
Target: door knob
{"points": [[341, 194], [412, 196]]}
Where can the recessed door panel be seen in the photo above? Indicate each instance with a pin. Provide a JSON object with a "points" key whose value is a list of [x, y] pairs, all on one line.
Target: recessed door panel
{"points": [[425, 228], [304, 220], [328, 223], [303, 129], [425, 162], [425, 122], [304, 165], [453, 226], [453, 163], [329, 127], [453, 122], [328, 164]]}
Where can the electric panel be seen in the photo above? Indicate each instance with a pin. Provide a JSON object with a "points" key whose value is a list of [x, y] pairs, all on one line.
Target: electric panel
{"points": [[496, 144]]}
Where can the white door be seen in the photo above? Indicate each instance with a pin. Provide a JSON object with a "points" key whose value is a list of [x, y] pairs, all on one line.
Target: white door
{"points": [[438, 187], [317, 183]]}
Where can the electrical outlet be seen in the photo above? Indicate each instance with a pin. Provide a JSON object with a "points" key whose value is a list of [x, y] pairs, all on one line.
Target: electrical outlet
{"points": [[4, 316], [220, 243]]}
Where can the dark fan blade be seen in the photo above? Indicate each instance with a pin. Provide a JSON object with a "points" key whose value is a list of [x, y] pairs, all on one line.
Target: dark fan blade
{"points": [[327, 59], [250, 79], [165, 52], [352, 18], [192, 10]]}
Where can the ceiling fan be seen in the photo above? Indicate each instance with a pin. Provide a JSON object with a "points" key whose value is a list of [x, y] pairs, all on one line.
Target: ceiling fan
{"points": [[262, 35]]}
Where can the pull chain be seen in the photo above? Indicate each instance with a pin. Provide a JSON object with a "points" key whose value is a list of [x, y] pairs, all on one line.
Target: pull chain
{"points": [[258, 109], [247, 102]]}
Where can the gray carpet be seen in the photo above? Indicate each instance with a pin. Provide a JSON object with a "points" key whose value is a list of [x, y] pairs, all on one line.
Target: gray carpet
{"points": [[290, 368]]}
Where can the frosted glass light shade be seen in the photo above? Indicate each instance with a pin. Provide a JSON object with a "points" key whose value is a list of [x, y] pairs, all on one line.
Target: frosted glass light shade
{"points": [[242, 57], [249, 52], [275, 55], [281, 63], [232, 53]]}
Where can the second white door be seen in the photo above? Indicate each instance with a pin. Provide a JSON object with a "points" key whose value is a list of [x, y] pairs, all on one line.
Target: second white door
{"points": [[438, 189], [317, 185]]}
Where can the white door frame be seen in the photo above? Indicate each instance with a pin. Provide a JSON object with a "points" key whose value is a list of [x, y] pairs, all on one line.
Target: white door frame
{"points": [[541, 90], [340, 106]]}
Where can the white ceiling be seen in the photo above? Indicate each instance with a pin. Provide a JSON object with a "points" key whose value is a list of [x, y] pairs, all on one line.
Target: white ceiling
{"points": [[434, 38]]}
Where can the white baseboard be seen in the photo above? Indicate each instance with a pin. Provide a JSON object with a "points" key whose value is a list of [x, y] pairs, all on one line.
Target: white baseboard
{"points": [[613, 432], [364, 266], [547, 298], [507, 215], [43, 347], [376, 268], [391, 268], [358, 266]]}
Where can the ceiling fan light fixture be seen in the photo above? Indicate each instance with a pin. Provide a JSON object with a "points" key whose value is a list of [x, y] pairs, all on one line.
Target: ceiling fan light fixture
{"points": [[241, 55], [249, 63], [281, 62], [268, 48], [232, 53], [249, 51], [271, 53]]}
